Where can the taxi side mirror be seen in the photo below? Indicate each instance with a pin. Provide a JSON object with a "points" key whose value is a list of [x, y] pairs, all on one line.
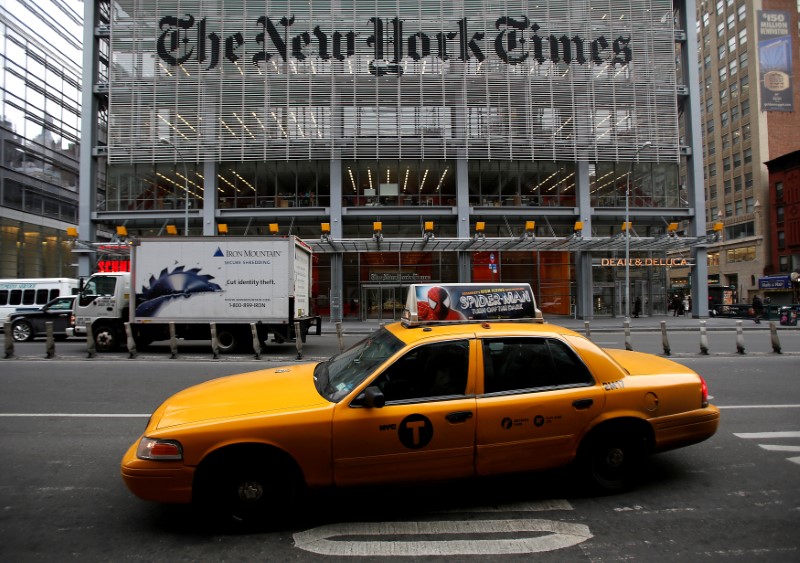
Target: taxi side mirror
{"points": [[372, 398]]}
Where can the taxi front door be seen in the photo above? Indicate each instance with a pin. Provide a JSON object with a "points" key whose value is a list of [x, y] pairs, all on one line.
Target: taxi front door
{"points": [[426, 430]]}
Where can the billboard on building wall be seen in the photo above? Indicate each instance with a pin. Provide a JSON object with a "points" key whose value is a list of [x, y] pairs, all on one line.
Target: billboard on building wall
{"points": [[483, 79], [775, 60]]}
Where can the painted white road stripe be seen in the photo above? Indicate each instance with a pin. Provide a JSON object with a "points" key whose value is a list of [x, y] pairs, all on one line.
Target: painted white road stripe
{"points": [[525, 506], [759, 407], [563, 534], [70, 415], [794, 459], [780, 448], [762, 435]]}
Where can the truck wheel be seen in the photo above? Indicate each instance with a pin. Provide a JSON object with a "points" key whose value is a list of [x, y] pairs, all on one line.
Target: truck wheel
{"points": [[105, 338], [22, 331], [227, 340]]}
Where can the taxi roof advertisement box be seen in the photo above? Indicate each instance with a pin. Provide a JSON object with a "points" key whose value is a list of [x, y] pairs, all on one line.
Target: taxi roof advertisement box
{"points": [[220, 278], [467, 301]]}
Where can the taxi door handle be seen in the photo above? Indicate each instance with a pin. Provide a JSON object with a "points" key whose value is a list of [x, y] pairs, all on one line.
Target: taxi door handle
{"points": [[581, 404], [459, 416]]}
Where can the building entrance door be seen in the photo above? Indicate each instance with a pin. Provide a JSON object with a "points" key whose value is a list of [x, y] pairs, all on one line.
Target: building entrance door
{"points": [[383, 302]]}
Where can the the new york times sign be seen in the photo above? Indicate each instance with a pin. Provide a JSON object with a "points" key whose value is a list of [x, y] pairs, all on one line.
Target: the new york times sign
{"points": [[515, 40]]}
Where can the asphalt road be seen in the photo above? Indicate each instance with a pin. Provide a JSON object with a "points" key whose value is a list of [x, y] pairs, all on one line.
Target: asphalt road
{"points": [[66, 423]]}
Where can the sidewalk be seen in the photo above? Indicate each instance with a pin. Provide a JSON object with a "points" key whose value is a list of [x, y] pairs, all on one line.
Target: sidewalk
{"points": [[605, 324]]}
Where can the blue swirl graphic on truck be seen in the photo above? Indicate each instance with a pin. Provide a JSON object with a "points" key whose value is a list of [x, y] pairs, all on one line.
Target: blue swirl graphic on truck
{"points": [[173, 285]]}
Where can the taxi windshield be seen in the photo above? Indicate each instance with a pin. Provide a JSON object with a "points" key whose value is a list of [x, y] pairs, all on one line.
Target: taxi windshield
{"points": [[338, 376]]}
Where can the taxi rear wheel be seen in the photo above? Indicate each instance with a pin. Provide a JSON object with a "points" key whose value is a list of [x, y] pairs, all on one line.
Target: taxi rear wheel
{"points": [[247, 489], [610, 458]]}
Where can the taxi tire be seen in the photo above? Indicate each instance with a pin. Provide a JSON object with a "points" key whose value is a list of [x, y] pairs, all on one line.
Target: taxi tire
{"points": [[247, 489], [610, 458]]}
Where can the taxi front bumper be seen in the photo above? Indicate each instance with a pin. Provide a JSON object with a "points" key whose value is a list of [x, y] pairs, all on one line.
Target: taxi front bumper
{"points": [[159, 481]]}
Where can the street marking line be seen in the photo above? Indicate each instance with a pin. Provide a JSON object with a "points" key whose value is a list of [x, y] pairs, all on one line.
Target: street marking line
{"points": [[780, 448], [761, 435], [69, 415], [759, 407], [794, 459], [563, 534], [524, 506]]}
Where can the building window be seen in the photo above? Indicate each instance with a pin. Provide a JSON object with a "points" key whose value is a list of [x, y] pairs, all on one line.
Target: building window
{"points": [[741, 12], [728, 210], [720, 7], [737, 135], [732, 44], [779, 191], [723, 119], [734, 114], [737, 159], [720, 29], [710, 125], [723, 95], [721, 52], [711, 148], [734, 88], [743, 37], [749, 204], [731, 21], [746, 131], [744, 83], [713, 258], [707, 62], [745, 108], [712, 170], [781, 240], [745, 254], [726, 165], [723, 74], [783, 262], [739, 207], [726, 141], [737, 183], [748, 156], [727, 186], [748, 180], [779, 214], [712, 192], [706, 19], [733, 67], [743, 61]]}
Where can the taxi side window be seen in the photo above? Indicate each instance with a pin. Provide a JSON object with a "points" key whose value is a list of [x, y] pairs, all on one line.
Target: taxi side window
{"points": [[433, 370], [512, 364]]}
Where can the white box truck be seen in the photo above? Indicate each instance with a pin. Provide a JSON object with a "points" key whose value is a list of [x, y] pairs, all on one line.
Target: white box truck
{"points": [[193, 282]]}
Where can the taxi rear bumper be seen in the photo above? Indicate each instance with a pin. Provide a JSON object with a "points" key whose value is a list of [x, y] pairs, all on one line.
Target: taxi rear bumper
{"points": [[685, 429]]}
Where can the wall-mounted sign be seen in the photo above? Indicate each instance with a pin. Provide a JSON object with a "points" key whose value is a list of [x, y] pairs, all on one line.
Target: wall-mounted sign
{"points": [[775, 282], [644, 262], [775, 60], [397, 277]]}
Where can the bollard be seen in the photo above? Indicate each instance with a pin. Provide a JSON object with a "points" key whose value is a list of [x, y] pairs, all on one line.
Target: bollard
{"points": [[214, 341], [173, 341], [340, 335], [703, 339], [256, 341], [50, 345], [91, 351], [587, 330], [773, 332], [131, 341], [739, 338], [9, 341], [665, 339], [298, 341], [627, 325]]}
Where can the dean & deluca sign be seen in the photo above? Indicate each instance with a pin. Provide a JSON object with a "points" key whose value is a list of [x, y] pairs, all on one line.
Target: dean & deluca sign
{"points": [[645, 262]]}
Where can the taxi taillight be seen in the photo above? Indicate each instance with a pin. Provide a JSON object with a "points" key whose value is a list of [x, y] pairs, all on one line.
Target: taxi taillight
{"points": [[703, 392]]}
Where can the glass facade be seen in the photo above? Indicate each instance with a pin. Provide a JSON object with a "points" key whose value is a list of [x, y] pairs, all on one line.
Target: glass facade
{"points": [[40, 96]]}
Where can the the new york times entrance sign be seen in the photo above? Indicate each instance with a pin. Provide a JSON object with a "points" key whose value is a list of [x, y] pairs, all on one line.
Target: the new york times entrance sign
{"points": [[517, 40]]}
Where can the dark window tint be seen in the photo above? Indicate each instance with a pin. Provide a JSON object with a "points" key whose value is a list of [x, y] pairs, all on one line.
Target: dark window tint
{"points": [[528, 363], [16, 297], [53, 294], [28, 296], [433, 370], [3, 296], [42, 296]]}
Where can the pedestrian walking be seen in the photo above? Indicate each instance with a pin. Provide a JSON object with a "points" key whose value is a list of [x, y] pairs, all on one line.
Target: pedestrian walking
{"points": [[637, 307], [758, 309]]}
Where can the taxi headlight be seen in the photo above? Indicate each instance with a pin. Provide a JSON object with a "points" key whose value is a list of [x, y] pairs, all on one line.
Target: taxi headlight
{"points": [[154, 449]]}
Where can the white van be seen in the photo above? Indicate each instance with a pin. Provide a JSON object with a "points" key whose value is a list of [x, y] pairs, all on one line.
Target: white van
{"points": [[32, 293]]}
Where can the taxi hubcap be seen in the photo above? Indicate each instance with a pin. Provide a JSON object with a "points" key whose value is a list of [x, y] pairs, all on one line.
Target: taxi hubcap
{"points": [[615, 457], [250, 491]]}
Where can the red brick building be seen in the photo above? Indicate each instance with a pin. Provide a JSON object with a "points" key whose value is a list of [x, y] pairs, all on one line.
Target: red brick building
{"points": [[784, 217]]}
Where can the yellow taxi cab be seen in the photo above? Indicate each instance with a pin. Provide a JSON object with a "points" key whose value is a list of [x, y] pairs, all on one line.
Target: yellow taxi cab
{"points": [[471, 383]]}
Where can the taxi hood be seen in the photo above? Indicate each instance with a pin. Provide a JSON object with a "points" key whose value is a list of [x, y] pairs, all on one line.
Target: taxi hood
{"points": [[287, 388]]}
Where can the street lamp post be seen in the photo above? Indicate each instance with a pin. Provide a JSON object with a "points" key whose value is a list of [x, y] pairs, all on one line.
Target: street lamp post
{"points": [[185, 186], [628, 233]]}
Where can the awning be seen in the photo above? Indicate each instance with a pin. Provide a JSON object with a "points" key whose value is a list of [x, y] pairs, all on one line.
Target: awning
{"points": [[571, 244]]}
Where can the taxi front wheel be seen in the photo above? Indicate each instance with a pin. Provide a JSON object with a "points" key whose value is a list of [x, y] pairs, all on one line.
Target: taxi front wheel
{"points": [[247, 490]]}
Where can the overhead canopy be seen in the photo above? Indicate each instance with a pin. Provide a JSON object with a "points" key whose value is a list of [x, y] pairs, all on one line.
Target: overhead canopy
{"points": [[604, 244]]}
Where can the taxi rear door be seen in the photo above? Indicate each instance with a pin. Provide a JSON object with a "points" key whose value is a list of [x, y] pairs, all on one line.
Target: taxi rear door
{"points": [[426, 430], [538, 397]]}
